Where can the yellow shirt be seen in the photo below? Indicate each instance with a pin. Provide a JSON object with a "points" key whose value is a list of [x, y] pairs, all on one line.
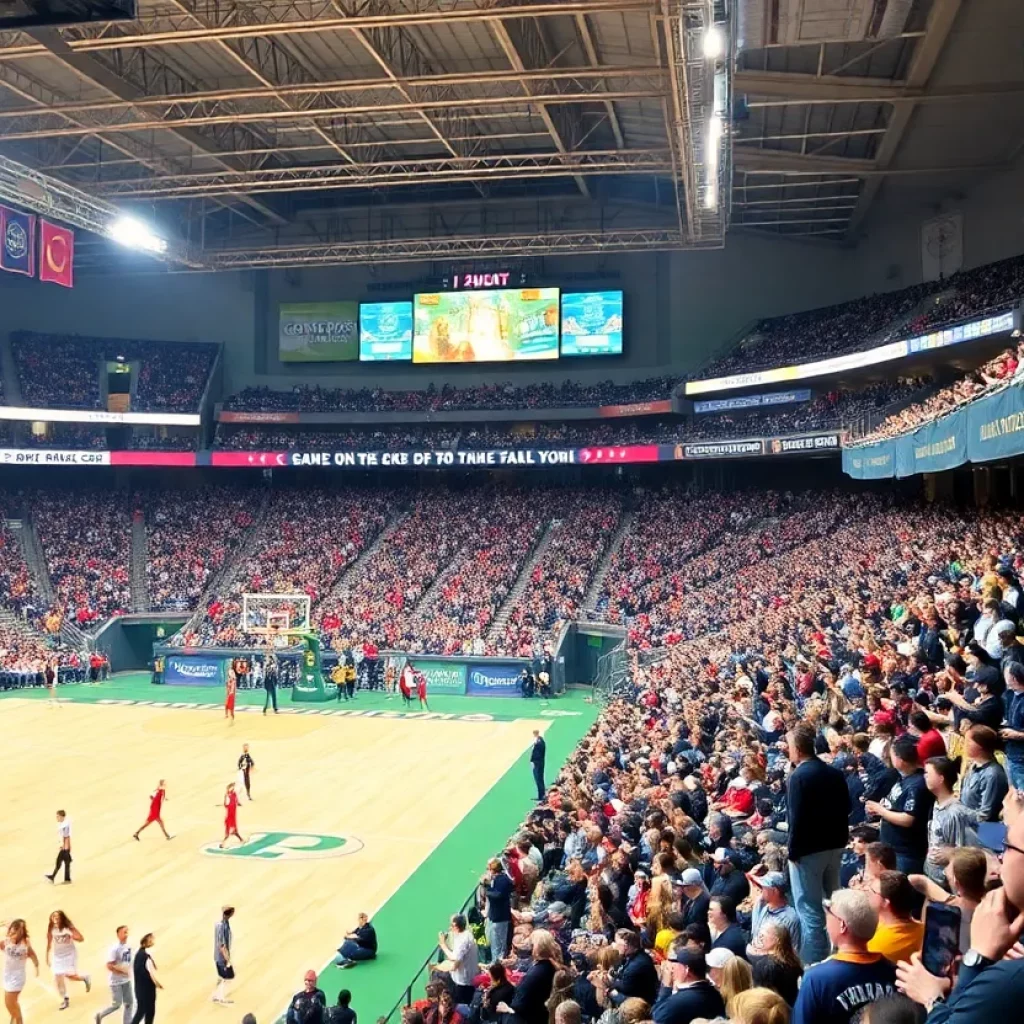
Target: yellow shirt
{"points": [[897, 941], [664, 939]]}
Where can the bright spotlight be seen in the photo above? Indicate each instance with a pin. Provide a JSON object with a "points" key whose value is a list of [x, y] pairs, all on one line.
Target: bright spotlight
{"points": [[711, 197], [132, 233], [714, 43]]}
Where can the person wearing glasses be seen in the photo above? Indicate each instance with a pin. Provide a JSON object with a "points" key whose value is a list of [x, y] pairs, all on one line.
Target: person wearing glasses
{"points": [[837, 990]]}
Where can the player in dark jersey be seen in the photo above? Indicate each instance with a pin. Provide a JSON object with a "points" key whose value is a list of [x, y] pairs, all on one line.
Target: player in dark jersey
{"points": [[245, 766], [156, 807]]}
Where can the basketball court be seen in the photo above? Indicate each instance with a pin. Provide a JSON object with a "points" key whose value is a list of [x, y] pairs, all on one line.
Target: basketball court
{"points": [[351, 813]]}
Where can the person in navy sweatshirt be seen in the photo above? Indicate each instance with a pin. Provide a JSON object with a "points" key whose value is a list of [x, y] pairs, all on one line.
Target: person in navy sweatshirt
{"points": [[837, 990]]}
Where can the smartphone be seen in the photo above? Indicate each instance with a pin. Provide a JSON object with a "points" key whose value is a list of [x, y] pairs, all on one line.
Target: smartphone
{"points": [[941, 938]]}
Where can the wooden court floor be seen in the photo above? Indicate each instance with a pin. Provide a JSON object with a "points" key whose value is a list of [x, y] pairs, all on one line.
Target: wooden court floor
{"points": [[391, 789]]}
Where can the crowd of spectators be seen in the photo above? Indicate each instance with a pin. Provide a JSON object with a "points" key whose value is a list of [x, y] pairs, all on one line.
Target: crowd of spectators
{"points": [[190, 534], [86, 541], [311, 398], [70, 436], [873, 320], [368, 438], [994, 374], [308, 537], [64, 371], [834, 752], [560, 578]]}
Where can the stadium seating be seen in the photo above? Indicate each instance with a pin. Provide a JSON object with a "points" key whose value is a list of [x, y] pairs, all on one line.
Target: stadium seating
{"points": [[63, 371], [863, 323], [449, 398]]}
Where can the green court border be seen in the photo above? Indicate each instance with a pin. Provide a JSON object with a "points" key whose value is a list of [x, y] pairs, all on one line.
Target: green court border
{"points": [[408, 922]]}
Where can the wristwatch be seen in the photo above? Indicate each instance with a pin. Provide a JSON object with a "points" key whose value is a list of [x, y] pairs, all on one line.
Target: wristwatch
{"points": [[972, 958]]}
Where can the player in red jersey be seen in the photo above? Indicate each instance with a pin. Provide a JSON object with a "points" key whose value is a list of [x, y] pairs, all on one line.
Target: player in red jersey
{"points": [[229, 700], [231, 815], [421, 690], [156, 807]]}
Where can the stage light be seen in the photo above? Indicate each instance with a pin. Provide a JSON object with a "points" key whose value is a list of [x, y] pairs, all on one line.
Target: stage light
{"points": [[134, 234], [711, 196], [714, 43]]}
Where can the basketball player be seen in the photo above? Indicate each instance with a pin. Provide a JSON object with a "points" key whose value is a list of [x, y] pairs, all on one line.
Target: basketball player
{"points": [[406, 682], [156, 806], [17, 952], [61, 936], [421, 690], [231, 815], [229, 700], [245, 767], [64, 853]]}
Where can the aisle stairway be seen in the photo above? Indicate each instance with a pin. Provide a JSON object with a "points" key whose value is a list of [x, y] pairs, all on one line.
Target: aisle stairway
{"points": [[500, 621], [352, 573], [140, 555], [597, 580]]}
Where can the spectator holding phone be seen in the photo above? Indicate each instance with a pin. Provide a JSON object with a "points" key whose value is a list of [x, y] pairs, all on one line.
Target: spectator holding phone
{"points": [[990, 983]]}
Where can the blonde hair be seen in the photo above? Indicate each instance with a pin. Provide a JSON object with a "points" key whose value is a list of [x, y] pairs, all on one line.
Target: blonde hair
{"points": [[659, 903], [634, 1010], [736, 977], [758, 1006], [545, 946]]}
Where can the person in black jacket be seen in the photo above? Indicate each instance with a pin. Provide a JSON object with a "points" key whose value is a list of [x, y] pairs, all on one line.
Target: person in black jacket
{"points": [[307, 1006], [727, 933], [359, 944], [818, 809], [529, 1004], [688, 995], [636, 976], [537, 763]]}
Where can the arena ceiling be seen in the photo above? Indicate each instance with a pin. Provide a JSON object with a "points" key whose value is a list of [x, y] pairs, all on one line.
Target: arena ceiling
{"points": [[296, 132]]}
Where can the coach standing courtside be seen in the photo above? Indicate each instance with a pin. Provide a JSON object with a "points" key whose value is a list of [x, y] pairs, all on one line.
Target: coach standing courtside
{"points": [[819, 806], [537, 760]]}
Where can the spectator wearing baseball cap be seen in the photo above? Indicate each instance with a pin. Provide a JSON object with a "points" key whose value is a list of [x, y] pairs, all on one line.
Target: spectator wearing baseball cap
{"points": [[696, 898], [731, 882], [686, 992], [307, 1006], [771, 909]]}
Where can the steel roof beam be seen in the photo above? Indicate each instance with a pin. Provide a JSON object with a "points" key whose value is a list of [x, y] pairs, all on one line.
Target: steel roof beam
{"points": [[820, 88], [590, 49], [485, 167], [126, 36], [213, 115], [922, 63], [525, 48]]}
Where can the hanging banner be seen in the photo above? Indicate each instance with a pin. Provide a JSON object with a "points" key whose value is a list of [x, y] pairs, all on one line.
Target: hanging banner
{"points": [[752, 401], [871, 461], [935, 447], [17, 242], [995, 426]]}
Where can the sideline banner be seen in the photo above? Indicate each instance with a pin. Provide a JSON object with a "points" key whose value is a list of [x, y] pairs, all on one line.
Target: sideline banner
{"points": [[493, 681], [442, 676], [195, 670], [934, 447]]}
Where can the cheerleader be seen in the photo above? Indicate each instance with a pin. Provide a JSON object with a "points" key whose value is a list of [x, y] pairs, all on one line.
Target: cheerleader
{"points": [[231, 815], [229, 700], [61, 936], [17, 951]]}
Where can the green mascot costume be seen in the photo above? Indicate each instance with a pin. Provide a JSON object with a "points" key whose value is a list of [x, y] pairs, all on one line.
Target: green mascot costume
{"points": [[309, 686]]}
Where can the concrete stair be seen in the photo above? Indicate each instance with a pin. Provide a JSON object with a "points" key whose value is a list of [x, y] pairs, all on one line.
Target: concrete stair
{"points": [[139, 557], [597, 580], [497, 627]]}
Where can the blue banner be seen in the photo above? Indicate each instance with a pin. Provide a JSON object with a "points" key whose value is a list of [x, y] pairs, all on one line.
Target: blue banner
{"points": [[493, 681], [870, 461], [995, 425], [385, 331], [935, 447], [753, 401], [194, 670], [17, 242]]}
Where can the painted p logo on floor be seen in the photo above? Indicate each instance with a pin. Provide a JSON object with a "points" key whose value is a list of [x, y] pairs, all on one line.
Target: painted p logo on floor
{"points": [[288, 846]]}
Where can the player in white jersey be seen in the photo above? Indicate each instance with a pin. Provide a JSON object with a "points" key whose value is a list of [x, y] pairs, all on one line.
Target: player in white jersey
{"points": [[61, 936], [64, 852], [17, 952], [119, 968]]}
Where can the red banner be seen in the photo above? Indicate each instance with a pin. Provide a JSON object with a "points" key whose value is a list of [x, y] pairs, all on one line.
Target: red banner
{"points": [[258, 417], [56, 254], [258, 460], [637, 409], [141, 458]]}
